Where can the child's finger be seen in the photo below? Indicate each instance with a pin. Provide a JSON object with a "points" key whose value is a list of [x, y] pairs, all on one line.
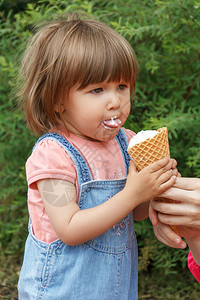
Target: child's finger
{"points": [[164, 177], [132, 168], [166, 168], [174, 163], [158, 165], [175, 172], [167, 184]]}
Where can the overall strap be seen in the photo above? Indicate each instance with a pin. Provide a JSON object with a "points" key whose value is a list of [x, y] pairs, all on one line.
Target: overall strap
{"points": [[83, 171], [122, 140]]}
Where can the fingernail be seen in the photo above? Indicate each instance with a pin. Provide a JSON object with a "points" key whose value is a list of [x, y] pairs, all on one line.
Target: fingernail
{"points": [[177, 240], [182, 245]]}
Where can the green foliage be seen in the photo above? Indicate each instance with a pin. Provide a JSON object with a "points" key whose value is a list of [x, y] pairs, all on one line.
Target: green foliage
{"points": [[156, 255], [165, 37], [14, 5]]}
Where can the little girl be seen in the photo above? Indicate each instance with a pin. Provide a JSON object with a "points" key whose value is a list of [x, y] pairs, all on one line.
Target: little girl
{"points": [[82, 195]]}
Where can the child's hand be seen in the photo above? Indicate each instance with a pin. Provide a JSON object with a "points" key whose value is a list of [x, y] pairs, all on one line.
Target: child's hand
{"points": [[152, 180]]}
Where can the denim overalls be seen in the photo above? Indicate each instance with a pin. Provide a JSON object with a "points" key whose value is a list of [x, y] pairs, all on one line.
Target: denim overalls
{"points": [[105, 268]]}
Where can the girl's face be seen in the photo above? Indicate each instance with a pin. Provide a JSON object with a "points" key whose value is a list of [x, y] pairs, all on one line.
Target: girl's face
{"points": [[98, 111]]}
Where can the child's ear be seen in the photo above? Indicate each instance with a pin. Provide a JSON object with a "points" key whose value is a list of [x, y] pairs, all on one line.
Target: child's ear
{"points": [[59, 108]]}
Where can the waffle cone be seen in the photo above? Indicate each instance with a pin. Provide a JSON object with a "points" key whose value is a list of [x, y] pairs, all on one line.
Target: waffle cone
{"points": [[149, 151]]}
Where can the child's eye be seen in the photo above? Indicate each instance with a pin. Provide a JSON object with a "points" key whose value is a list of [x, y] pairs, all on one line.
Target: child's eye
{"points": [[122, 87], [97, 91]]}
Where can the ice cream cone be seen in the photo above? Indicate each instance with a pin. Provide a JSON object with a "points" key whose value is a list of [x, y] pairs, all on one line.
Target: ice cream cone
{"points": [[149, 151]]}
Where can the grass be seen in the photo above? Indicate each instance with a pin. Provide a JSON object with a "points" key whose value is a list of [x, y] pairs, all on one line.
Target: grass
{"points": [[156, 286]]}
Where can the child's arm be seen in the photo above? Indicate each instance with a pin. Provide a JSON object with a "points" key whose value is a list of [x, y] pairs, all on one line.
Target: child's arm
{"points": [[141, 212], [74, 226]]}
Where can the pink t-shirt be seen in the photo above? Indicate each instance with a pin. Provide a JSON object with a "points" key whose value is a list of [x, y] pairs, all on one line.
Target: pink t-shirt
{"points": [[49, 160], [194, 268]]}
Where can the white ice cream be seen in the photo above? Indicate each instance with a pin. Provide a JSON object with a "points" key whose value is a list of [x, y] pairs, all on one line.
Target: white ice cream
{"points": [[142, 136]]}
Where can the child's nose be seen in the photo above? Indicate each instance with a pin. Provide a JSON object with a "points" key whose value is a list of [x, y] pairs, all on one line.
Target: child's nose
{"points": [[113, 101]]}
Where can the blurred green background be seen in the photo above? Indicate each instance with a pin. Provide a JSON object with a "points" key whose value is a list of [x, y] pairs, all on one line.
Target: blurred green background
{"points": [[165, 36]]}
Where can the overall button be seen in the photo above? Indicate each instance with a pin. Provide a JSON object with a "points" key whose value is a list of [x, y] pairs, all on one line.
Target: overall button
{"points": [[58, 251]]}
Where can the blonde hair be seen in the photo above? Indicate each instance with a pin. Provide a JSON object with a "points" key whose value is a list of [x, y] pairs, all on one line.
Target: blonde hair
{"points": [[70, 52]]}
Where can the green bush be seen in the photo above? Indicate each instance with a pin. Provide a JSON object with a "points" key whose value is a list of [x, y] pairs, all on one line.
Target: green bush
{"points": [[165, 37]]}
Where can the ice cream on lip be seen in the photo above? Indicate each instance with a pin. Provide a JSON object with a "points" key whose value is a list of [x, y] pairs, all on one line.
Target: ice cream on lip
{"points": [[113, 122]]}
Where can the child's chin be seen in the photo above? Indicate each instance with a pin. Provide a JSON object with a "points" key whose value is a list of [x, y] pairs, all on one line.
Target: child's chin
{"points": [[108, 134]]}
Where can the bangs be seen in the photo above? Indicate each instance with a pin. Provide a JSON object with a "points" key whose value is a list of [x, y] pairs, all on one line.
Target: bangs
{"points": [[102, 55]]}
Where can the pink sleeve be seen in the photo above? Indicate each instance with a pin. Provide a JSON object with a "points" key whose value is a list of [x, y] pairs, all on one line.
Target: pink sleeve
{"points": [[194, 268], [49, 160]]}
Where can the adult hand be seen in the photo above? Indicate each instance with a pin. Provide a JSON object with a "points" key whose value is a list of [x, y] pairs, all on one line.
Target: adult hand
{"points": [[186, 210], [163, 232]]}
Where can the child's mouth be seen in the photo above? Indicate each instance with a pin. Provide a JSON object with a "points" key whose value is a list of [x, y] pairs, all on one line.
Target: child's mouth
{"points": [[113, 122]]}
